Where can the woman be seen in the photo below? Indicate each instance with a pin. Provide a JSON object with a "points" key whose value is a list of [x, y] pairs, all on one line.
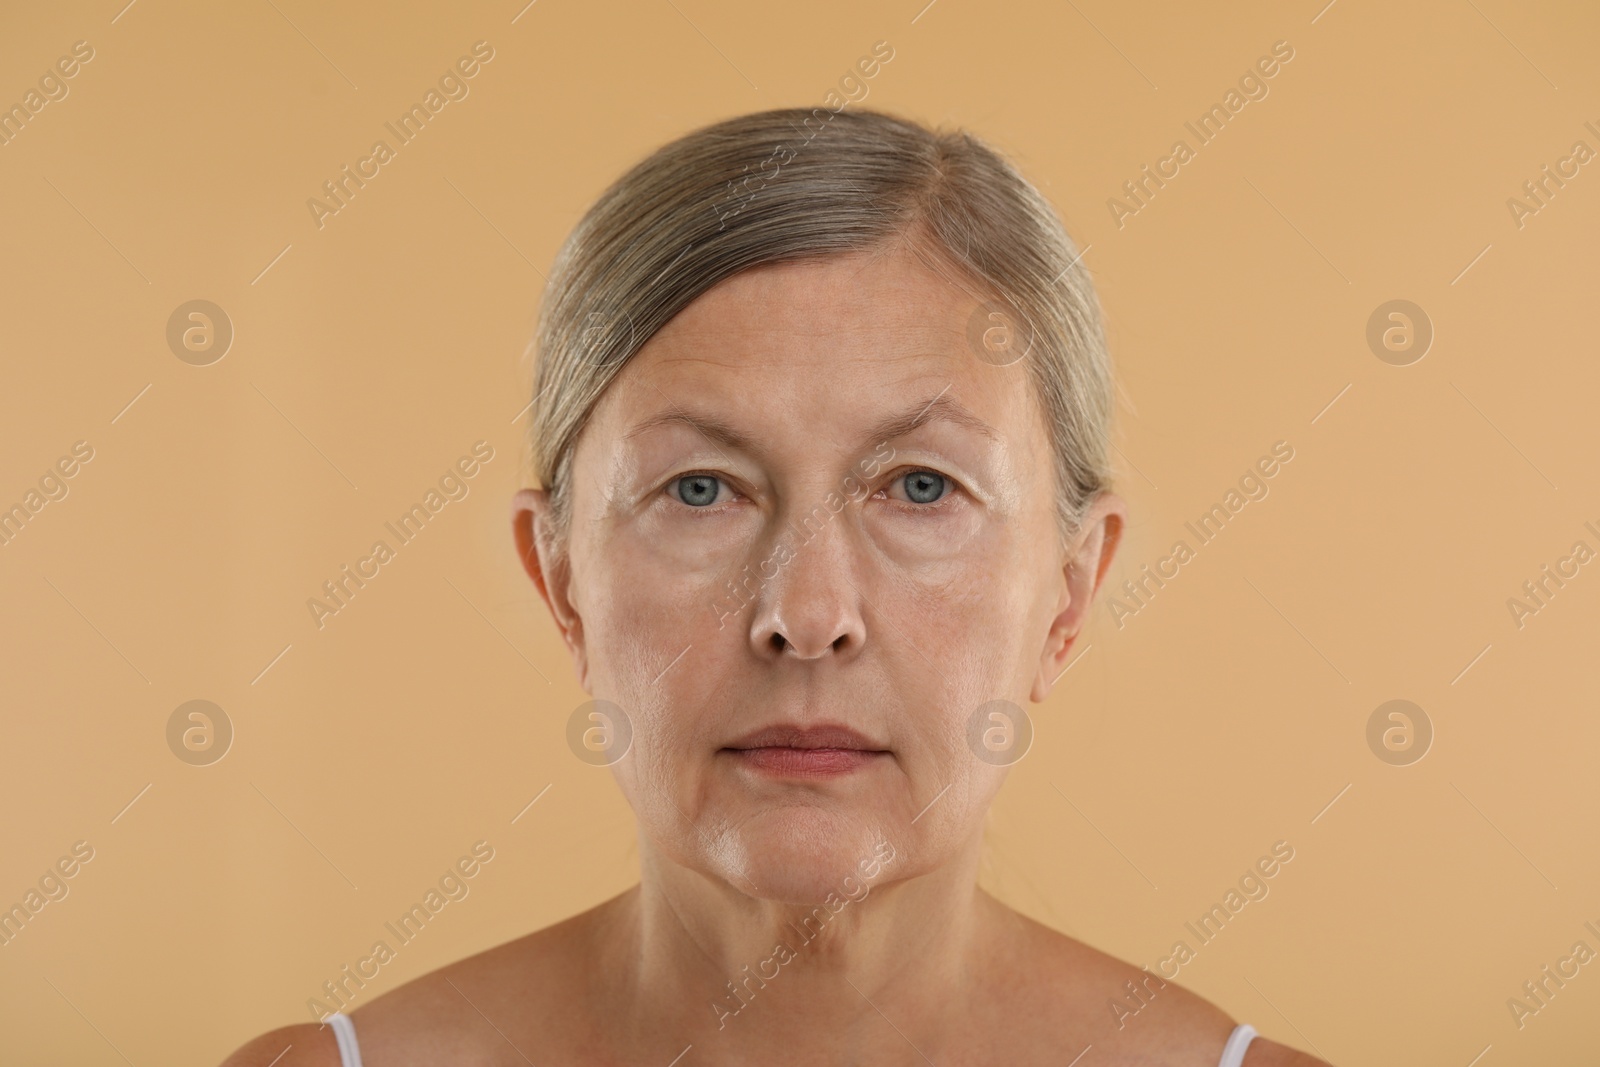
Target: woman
{"points": [[822, 421]]}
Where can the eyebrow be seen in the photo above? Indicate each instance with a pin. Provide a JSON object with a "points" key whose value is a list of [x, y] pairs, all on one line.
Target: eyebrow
{"points": [[937, 408]]}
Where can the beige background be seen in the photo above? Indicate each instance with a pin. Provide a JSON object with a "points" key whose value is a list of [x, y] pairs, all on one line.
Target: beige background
{"points": [[1226, 715]]}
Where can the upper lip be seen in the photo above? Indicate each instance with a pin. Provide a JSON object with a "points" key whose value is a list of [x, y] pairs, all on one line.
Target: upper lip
{"points": [[822, 735]]}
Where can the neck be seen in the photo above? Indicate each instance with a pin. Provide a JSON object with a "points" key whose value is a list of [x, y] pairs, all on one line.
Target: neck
{"points": [[709, 962]]}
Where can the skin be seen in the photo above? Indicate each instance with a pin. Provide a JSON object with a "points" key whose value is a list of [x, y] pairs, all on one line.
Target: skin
{"points": [[905, 605]]}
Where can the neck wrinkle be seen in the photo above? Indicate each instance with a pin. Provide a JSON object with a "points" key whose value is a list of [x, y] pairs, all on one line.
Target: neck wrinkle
{"points": [[908, 942]]}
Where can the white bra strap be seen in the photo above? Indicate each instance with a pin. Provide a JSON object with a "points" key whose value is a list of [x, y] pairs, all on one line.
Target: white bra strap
{"points": [[1232, 1052], [344, 1032]]}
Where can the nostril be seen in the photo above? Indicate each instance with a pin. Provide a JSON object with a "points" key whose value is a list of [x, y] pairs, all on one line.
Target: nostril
{"points": [[778, 642]]}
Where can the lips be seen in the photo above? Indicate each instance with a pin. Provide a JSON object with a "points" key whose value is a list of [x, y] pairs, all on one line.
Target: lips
{"points": [[825, 735], [817, 751]]}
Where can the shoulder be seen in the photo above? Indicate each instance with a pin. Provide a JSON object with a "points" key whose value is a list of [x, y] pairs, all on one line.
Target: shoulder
{"points": [[1129, 1012], [1100, 992], [304, 1045], [533, 984], [527, 999], [1264, 1053], [522, 992]]}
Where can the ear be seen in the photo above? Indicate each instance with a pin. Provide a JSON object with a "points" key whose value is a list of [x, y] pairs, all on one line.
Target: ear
{"points": [[549, 565], [1087, 561]]}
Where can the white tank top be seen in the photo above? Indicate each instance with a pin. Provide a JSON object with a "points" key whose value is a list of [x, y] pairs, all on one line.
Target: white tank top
{"points": [[344, 1031]]}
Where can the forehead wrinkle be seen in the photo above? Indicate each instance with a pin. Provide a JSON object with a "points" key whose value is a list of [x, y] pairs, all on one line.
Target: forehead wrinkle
{"points": [[726, 434], [895, 321], [712, 427], [939, 408]]}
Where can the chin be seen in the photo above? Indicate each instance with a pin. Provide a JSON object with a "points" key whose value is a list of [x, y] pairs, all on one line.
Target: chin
{"points": [[799, 854]]}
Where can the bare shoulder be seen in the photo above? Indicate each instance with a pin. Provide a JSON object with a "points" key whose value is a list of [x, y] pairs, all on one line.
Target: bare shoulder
{"points": [[305, 1045], [1132, 1013], [505, 1001], [1265, 1053], [519, 1000], [1099, 992]]}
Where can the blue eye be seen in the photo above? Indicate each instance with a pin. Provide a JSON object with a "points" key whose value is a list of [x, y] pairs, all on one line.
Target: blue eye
{"points": [[924, 487], [697, 490]]}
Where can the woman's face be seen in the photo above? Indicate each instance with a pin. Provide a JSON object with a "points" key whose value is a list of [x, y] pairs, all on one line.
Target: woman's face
{"points": [[813, 535]]}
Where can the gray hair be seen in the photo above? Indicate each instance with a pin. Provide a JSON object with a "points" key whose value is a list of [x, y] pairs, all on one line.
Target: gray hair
{"points": [[788, 184]]}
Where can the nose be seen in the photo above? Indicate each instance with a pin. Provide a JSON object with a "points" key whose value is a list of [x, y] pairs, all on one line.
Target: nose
{"points": [[811, 607]]}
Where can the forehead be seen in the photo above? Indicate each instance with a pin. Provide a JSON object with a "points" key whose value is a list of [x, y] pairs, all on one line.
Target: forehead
{"points": [[817, 328], [804, 365], [872, 292]]}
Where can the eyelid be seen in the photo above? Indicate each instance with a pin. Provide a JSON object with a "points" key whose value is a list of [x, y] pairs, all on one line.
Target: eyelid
{"points": [[722, 479], [894, 476], [976, 481], [953, 484]]}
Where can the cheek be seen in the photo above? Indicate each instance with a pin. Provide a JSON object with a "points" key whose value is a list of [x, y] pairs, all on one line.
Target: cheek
{"points": [[969, 613], [955, 634], [654, 647], [648, 595], [947, 543]]}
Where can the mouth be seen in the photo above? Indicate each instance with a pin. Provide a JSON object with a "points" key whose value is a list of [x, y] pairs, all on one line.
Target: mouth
{"points": [[806, 752]]}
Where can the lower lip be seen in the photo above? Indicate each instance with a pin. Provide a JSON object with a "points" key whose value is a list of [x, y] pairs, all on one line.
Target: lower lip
{"points": [[805, 762]]}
